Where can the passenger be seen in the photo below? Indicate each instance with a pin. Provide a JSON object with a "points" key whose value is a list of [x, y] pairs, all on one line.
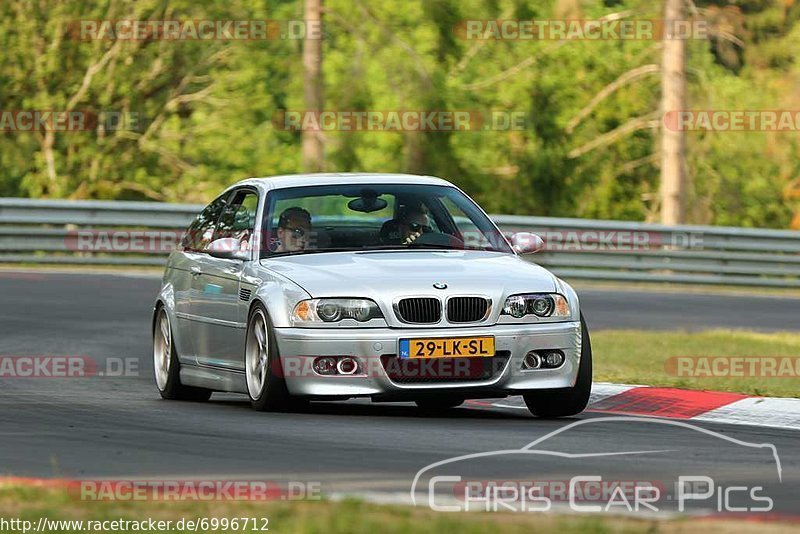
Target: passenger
{"points": [[294, 230]]}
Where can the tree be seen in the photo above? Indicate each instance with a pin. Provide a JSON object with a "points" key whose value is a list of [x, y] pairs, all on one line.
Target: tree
{"points": [[313, 147], [673, 99]]}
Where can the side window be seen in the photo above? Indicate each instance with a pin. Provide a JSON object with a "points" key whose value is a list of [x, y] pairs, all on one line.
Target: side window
{"points": [[239, 217], [201, 231]]}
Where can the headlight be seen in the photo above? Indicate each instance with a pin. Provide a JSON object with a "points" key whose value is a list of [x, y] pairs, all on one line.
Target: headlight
{"points": [[539, 304], [316, 311]]}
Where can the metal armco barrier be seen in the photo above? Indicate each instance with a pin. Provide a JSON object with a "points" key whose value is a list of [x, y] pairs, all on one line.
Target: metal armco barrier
{"points": [[49, 231]]}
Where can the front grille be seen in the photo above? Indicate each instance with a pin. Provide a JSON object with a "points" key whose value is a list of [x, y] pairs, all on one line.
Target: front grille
{"points": [[467, 309], [421, 310], [443, 370]]}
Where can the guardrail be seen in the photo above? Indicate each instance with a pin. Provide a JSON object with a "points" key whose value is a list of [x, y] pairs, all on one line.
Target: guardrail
{"points": [[48, 231]]}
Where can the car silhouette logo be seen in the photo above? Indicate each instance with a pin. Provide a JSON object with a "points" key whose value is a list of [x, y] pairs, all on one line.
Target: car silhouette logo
{"points": [[440, 285]]}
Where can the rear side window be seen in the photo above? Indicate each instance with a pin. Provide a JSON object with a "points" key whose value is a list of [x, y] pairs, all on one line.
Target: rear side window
{"points": [[201, 231], [239, 216]]}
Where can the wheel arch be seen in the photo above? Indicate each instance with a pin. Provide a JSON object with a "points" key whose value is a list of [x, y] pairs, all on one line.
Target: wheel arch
{"points": [[166, 300], [257, 302], [156, 308], [278, 296]]}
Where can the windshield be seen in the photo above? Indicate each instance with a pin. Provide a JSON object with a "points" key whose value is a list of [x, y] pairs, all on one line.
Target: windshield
{"points": [[336, 218]]}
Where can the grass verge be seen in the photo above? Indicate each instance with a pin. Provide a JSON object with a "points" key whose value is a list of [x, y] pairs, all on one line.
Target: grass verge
{"points": [[31, 503], [650, 358]]}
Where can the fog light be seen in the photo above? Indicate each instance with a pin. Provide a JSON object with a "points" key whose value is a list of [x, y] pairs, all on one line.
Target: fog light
{"points": [[531, 361], [325, 365], [554, 359], [347, 366]]}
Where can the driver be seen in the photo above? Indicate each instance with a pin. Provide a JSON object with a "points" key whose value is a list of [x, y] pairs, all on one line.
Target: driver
{"points": [[412, 221], [415, 221], [294, 230]]}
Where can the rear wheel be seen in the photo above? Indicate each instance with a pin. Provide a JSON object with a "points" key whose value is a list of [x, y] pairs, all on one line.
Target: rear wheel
{"points": [[265, 384], [439, 405], [166, 364], [563, 402]]}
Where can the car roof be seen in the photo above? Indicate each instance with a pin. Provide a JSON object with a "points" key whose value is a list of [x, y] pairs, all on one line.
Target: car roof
{"points": [[347, 178]]}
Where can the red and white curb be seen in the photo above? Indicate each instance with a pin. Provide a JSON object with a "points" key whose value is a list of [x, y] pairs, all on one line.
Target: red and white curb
{"points": [[674, 403]]}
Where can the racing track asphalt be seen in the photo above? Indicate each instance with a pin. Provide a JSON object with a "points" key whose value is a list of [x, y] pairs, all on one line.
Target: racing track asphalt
{"points": [[119, 427]]}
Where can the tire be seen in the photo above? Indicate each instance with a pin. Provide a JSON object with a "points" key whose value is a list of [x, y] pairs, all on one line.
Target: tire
{"points": [[167, 368], [563, 402], [265, 384], [439, 405]]}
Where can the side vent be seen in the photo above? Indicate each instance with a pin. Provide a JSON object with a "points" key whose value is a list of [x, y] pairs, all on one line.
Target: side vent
{"points": [[245, 294]]}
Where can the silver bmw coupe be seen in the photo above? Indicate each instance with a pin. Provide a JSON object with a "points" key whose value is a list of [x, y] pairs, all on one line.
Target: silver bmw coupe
{"points": [[389, 287]]}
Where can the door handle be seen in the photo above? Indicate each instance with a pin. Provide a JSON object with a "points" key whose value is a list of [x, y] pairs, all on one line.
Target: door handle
{"points": [[196, 271]]}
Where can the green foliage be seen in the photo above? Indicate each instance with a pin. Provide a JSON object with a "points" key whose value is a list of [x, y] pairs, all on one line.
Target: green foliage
{"points": [[207, 108]]}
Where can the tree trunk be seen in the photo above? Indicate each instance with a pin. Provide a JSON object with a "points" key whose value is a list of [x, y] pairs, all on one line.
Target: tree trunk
{"points": [[313, 149], [53, 188], [673, 98]]}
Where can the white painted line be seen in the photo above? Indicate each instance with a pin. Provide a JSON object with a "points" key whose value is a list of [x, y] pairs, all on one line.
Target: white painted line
{"points": [[758, 411], [769, 412]]}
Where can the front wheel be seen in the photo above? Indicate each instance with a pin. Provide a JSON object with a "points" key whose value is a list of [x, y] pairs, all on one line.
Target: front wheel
{"points": [[265, 384], [166, 364], [563, 402]]}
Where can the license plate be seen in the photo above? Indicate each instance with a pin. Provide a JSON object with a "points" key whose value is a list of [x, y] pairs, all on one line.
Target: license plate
{"points": [[447, 347]]}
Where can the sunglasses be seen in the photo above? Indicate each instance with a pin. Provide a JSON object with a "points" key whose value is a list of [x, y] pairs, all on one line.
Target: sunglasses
{"points": [[296, 232], [416, 227]]}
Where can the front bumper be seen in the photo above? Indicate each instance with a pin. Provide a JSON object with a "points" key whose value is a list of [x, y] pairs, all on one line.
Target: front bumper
{"points": [[299, 346]]}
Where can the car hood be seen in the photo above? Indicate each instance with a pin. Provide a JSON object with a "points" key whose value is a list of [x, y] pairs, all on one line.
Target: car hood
{"points": [[386, 275]]}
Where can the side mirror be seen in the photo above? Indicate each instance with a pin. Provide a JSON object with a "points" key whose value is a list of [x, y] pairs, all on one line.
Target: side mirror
{"points": [[228, 248], [526, 243]]}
